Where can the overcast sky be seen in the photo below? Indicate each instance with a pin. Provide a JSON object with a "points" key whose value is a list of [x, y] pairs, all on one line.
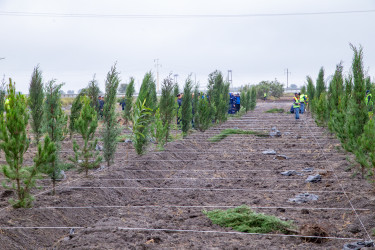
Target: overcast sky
{"points": [[257, 46]]}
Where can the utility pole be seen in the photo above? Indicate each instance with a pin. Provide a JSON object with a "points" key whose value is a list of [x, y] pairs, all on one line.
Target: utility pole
{"points": [[229, 78], [157, 73], [287, 76]]}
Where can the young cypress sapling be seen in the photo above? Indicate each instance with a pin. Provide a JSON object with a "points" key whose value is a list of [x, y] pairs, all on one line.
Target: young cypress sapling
{"points": [[36, 98], [86, 125], [93, 91], [55, 126], [186, 107], [111, 129], [248, 99], [75, 111], [253, 98], [357, 113], [204, 115], [14, 142], [2, 96], [320, 85], [243, 98], [129, 100], [167, 102]]}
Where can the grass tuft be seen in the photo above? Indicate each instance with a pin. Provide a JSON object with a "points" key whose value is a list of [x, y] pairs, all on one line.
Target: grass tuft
{"points": [[243, 219], [275, 110], [231, 131]]}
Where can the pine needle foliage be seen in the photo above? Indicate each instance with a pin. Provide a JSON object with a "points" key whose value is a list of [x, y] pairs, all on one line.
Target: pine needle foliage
{"points": [[226, 132], [320, 85], [129, 100], [36, 98], [186, 107], [166, 106], [14, 143], [196, 96], [141, 117], [75, 111], [111, 129], [86, 125], [243, 98], [243, 219], [93, 91], [55, 126], [176, 90]]}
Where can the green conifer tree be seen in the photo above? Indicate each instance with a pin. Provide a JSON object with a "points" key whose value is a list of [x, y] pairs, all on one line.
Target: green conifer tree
{"points": [[336, 94], [243, 98], [248, 99], [186, 107], [253, 101], [2, 96], [86, 125], [320, 85], [176, 90], [356, 111], [129, 100], [167, 102], [93, 91], [321, 109], [75, 111], [366, 152], [36, 98], [111, 129], [204, 115], [14, 142], [55, 126], [195, 103]]}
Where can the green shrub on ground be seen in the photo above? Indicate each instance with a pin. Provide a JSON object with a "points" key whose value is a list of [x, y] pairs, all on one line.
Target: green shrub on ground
{"points": [[275, 110], [231, 131], [243, 219]]}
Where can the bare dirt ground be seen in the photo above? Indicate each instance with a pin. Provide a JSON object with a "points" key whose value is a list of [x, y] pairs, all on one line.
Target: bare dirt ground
{"points": [[156, 200]]}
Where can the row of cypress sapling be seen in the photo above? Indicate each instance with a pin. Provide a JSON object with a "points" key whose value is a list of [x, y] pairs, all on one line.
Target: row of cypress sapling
{"points": [[49, 121], [345, 111]]}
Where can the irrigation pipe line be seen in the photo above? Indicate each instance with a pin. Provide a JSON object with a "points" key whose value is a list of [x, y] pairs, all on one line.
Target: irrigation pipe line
{"points": [[208, 206], [194, 179], [345, 194], [203, 189], [182, 230], [223, 160]]}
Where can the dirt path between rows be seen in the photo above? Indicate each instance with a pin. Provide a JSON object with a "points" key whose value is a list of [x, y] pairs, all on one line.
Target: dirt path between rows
{"points": [[156, 200]]}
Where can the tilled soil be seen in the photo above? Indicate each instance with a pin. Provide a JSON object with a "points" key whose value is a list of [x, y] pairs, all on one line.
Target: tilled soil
{"points": [[156, 200]]}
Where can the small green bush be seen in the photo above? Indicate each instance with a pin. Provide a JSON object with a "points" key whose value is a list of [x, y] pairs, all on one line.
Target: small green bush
{"points": [[275, 110]]}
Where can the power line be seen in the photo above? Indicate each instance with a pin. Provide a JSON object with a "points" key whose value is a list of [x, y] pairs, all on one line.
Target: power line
{"points": [[167, 16]]}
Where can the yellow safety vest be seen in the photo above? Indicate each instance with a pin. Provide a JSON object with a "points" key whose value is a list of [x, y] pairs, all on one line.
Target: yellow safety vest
{"points": [[296, 103]]}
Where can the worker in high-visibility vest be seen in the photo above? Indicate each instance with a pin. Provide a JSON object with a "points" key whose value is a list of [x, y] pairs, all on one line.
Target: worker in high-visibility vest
{"points": [[265, 96], [6, 104], [368, 100], [302, 100], [296, 105]]}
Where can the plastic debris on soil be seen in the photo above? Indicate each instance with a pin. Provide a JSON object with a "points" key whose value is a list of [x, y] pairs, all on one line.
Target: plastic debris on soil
{"points": [[98, 147], [290, 173], [269, 152], [314, 178], [310, 169], [275, 132], [358, 245], [281, 157], [304, 198]]}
